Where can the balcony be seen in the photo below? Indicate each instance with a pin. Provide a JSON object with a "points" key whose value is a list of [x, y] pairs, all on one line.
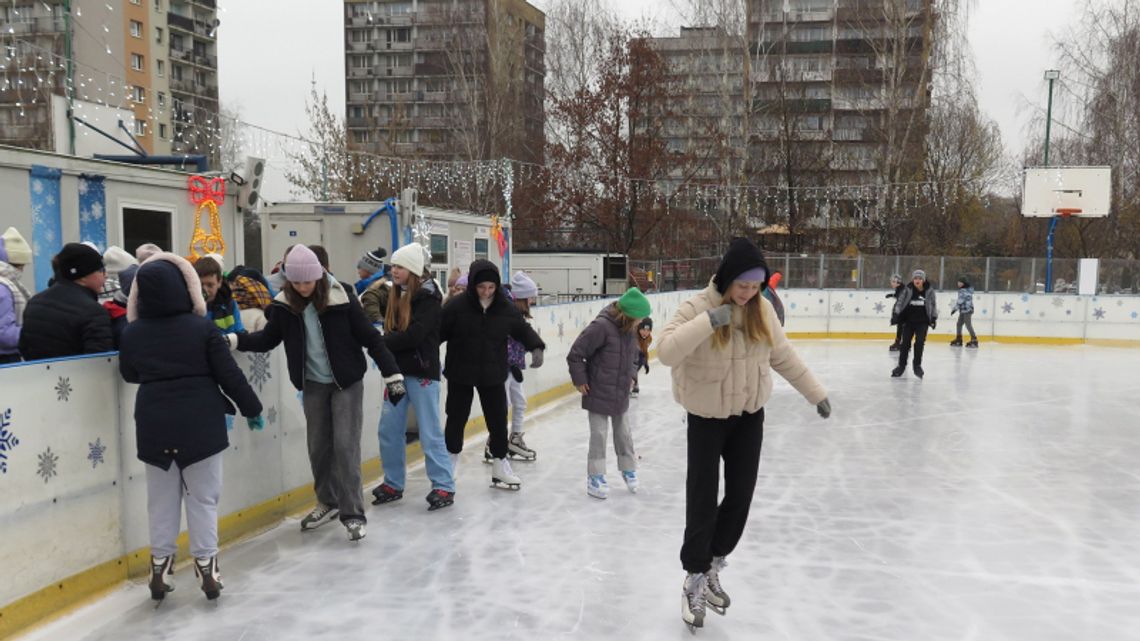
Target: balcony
{"points": [[398, 72], [359, 72], [180, 22], [358, 47]]}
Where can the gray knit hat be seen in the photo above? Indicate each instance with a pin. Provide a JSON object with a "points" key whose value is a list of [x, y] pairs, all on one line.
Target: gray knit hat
{"points": [[372, 261], [918, 273]]}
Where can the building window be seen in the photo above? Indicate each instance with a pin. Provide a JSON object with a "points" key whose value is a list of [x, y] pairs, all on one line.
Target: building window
{"points": [[399, 35], [136, 1], [359, 136], [136, 29], [137, 62], [161, 100], [176, 72], [438, 249], [158, 35], [481, 248], [162, 130], [138, 93], [147, 226], [140, 127], [356, 112], [161, 68], [158, 5]]}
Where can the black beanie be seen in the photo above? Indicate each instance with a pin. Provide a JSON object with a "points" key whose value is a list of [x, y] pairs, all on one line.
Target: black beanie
{"points": [[646, 323], [484, 271], [964, 281], [743, 255], [77, 260]]}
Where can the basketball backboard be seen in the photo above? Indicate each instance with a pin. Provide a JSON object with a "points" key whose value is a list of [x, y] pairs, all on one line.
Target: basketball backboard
{"points": [[1084, 192]]}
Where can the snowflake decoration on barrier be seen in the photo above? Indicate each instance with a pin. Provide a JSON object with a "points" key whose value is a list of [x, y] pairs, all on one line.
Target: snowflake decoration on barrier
{"points": [[63, 389], [1007, 308], [47, 464], [8, 440], [1099, 313], [271, 415], [95, 452], [1058, 302], [259, 372], [838, 307], [880, 308], [561, 331]]}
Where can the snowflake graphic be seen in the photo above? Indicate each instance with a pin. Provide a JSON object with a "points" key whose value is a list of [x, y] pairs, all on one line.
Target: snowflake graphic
{"points": [[259, 372], [561, 331], [1120, 303], [63, 389], [50, 200], [1134, 315], [95, 452], [1007, 308], [83, 188], [271, 415], [8, 440], [838, 307], [1058, 302], [856, 310], [1025, 298], [47, 464], [1099, 313], [38, 186], [879, 308]]}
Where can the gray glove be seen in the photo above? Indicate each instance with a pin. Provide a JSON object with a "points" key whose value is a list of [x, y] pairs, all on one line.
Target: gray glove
{"points": [[824, 408], [536, 358], [720, 316]]}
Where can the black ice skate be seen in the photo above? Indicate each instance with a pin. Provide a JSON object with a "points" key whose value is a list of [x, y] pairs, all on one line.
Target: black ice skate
{"points": [[487, 458], [973, 344], [518, 450], [693, 601], [161, 577], [385, 493], [439, 498], [503, 477], [894, 347], [320, 515], [208, 576], [957, 342], [898, 371], [715, 596], [918, 370]]}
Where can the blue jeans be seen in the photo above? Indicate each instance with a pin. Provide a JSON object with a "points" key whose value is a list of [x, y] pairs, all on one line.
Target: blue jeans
{"points": [[423, 394]]}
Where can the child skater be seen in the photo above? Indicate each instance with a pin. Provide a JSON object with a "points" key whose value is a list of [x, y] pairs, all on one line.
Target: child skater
{"points": [[644, 340], [964, 307], [603, 362], [180, 359]]}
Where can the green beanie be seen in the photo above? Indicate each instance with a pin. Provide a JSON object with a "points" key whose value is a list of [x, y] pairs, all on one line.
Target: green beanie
{"points": [[634, 304]]}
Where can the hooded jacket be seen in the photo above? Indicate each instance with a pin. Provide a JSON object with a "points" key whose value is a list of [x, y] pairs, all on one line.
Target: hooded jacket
{"points": [[477, 338], [606, 359], [965, 302], [416, 348], [345, 330], [179, 359]]}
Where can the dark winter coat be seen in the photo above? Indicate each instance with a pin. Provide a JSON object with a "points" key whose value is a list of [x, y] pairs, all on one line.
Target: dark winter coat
{"points": [[477, 338], [902, 301], [605, 359], [417, 347], [345, 329], [179, 358], [65, 319]]}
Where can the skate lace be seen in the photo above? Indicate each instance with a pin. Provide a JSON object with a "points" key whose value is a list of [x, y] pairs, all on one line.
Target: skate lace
{"points": [[319, 511], [713, 575], [507, 471], [517, 439], [695, 592]]}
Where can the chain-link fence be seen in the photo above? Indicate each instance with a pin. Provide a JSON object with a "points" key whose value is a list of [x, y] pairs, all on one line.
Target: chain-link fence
{"points": [[989, 274]]}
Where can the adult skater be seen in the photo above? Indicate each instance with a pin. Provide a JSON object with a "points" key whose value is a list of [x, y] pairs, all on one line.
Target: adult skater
{"points": [[897, 286], [523, 292], [915, 312], [476, 324], [411, 331], [722, 344], [323, 328], [964, 307], [179, 358]]}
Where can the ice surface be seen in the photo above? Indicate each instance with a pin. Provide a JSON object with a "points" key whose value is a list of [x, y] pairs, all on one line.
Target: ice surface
{"points": [[996, 499]]}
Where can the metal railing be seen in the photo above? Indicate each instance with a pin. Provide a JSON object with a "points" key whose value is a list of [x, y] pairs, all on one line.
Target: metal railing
{"points": [[829, 271]]}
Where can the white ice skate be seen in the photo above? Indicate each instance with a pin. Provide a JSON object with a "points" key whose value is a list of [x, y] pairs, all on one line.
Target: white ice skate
{"points": [[693, 601], [209, 577], [502, 476], [320, 515], [454, 464], [161, 577], [355, 529], [715, 595], [518, 450], [597, 487], [630, 478]]}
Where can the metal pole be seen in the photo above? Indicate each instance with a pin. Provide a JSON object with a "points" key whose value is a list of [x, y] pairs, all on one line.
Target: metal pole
{"points": [[1048, 121], [1053, 220], [70, 81], [988, 259]]}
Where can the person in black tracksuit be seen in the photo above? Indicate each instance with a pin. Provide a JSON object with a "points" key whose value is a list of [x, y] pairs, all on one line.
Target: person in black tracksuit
{"points": [[475, 326], [916, 310], [897, 283]]}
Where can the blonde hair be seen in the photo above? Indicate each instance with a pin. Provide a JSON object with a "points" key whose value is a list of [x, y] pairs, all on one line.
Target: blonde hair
{"points": [[399, 313], [755, 330], [626, 324]]}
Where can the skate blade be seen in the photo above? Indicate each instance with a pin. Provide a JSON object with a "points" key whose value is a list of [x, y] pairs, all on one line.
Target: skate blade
{"points": [[521, 457], [719, 609], [500, 485], [332, 516]]}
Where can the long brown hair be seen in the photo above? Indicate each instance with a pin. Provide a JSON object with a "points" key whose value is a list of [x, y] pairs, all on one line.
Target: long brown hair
{"points": [[523, 306], [626, 324], [319, 298], [399, 313], [755, 330]]}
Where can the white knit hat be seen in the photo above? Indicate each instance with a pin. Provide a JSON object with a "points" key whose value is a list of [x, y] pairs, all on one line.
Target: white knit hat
{"points": [[522, 286], [411, 258], [19, 252], [116, 259]]}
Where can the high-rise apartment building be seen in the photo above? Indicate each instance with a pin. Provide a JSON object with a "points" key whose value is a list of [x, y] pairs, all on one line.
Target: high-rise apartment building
{"points": [[151, 64], [445, 79]]}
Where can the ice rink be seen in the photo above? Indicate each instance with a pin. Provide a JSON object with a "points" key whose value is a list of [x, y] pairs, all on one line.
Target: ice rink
{"points": [[997, 499]]}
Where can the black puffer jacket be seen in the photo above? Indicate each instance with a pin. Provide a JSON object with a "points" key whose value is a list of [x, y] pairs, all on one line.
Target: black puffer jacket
{"points": [[477, 338], [345, 329], [417, 347], [64, 320], [179, 359]]}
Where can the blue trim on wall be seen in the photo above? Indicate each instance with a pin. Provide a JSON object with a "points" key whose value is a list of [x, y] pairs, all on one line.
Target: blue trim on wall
{"points": [[47, 224], [93, 210], [62, 359]]}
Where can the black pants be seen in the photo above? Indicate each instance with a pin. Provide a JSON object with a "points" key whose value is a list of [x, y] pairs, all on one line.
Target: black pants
{"points": [[711, 529], [9, 358], [898, 334], [493, 398], [917, 331]]}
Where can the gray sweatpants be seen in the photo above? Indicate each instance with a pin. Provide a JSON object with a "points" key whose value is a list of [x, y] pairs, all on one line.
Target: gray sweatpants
{"points": [[516, 401], [623, 444], [966, 318], [333, 421], [200, 485]]}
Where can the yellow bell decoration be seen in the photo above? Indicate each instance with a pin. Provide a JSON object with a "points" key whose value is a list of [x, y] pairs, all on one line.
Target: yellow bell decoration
{"points": [[207, 194]]}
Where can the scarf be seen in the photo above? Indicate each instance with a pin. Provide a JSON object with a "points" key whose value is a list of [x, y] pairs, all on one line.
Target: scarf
{"points": [[10, 278]]}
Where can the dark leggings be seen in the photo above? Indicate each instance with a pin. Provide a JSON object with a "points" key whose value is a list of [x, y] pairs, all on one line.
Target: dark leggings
{"points": [[917, 331], [493, 399]]}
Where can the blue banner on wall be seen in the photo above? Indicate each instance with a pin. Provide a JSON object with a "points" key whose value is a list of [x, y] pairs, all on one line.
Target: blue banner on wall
{"points": [[47, 227], [93, 211]]}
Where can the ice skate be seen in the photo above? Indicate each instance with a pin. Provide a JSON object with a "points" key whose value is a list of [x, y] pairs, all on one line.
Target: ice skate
{"points": [[355, 529], [973, 344], [209, 577], [597, 487], [957, 342], [439, 498], [633, 393], [898, 371], [161, 576], [693, 601], [320, 515], [487, 458], [385, 493], [518, 450], [918, 371], [502, 476], [715, 596], [630, 478], [894, 347]]}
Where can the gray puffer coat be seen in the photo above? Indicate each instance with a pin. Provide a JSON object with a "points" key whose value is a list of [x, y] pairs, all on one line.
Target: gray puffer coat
{"points": [[606, 360]]}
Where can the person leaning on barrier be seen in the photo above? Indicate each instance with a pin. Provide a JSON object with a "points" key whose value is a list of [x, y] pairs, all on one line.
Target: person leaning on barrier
{"points": [[66, 319], [14, 254]]}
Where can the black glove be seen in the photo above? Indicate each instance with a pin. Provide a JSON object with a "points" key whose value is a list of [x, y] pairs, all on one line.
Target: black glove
{"points": [[824, 408], [396, 391], [646, 366], [889, 296], [516, 373], [894, 320], [933, 324]]}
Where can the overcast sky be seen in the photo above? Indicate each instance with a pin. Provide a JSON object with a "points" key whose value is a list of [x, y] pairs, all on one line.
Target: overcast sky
{"points": [[270, 51]]}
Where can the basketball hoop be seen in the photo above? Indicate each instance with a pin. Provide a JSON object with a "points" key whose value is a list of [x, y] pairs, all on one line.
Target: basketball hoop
{"points": [[1066, 212]]}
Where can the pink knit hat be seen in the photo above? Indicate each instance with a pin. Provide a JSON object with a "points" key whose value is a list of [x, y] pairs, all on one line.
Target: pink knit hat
{"points": [[302, 265]]}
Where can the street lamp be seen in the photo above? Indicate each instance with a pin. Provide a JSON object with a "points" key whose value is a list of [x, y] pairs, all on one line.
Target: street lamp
{"points": [[1051, 75]]}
